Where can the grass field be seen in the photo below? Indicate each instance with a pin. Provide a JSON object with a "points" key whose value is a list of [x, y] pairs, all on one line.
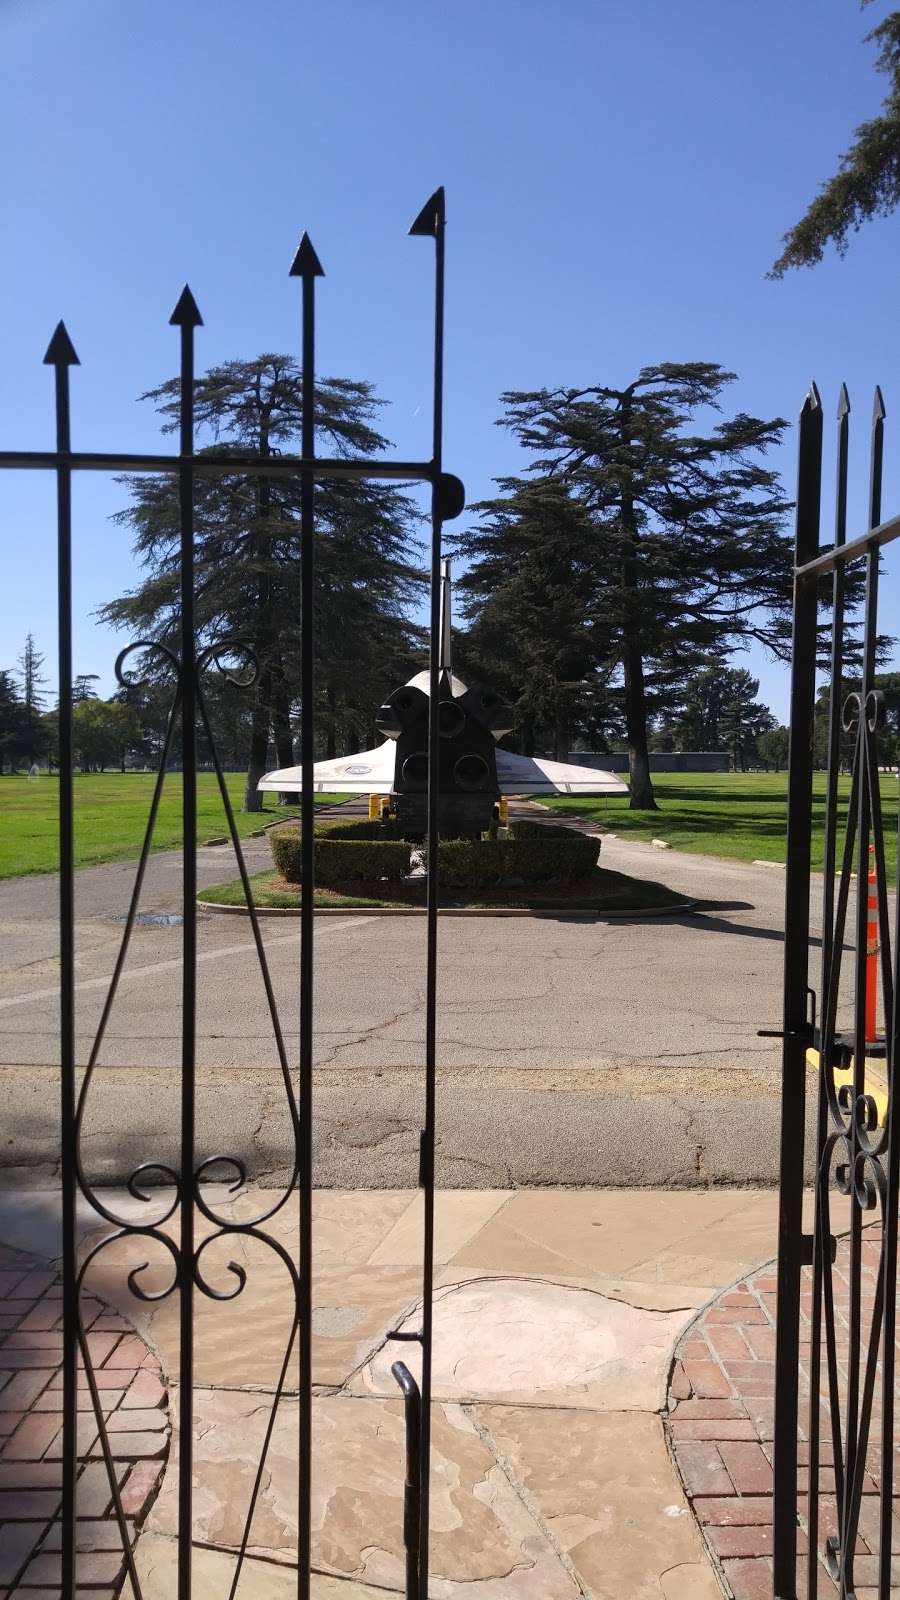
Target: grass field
{"points": [[740, 814], [110, 816], [721, 814]]}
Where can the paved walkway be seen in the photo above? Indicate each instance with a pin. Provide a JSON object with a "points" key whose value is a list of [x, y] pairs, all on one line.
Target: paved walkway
{"points": [[582, 1341], [720, 1422], [134, 1401], [557, 1317]]}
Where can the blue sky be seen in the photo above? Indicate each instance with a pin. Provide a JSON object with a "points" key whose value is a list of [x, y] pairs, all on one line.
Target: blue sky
{"points": [[619, 174]]}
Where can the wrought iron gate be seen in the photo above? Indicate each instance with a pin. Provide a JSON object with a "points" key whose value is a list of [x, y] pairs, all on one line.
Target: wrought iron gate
{"points": [[837, 1317], [187, 1180]]}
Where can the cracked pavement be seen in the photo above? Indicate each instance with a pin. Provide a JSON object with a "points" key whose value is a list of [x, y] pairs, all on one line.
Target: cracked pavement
{"points": [[584, 1052]]}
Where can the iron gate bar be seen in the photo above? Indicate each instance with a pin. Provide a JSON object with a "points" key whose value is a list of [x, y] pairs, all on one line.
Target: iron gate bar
{"points": [[795, 1023], [186, 1183], [61, 355], [430, 223], [855, 1447], [822, 1228], [215, 464], [890, 1201], [186, 318], [884, 533], [306, 266]]}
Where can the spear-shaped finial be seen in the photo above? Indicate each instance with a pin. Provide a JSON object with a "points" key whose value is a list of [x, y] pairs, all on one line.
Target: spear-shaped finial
{"points": [[879, 409], [431, 216], [843, 409], [186, 313], [306, 263], [60, 351]]}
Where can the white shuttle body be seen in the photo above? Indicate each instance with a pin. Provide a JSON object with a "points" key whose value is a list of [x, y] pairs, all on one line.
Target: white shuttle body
{"points": [[374, 771]]}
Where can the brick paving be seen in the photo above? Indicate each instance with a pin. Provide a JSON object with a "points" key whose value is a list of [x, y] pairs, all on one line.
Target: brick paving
{"points": [[136, 1415], [720, 1426]]}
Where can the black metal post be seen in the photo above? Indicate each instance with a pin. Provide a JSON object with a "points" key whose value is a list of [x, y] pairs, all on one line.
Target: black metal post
{"points": [[430, 223], [186, 317], [888, 1354], [821, 1228], [307, 267], [61, 356], [849, 1509], [795, 1022]]}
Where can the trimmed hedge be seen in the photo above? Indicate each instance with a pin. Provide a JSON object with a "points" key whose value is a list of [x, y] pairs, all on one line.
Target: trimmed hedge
{"points": [[371, 852], [346, 852], [534, 853]]}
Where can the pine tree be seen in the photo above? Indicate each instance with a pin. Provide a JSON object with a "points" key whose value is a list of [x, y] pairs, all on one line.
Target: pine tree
{"points": [[867, 183], [721, 712], [13, 723], [82, 688], [744, 719], [31, 681], [529, 591], [247, 552], [689, 550]]}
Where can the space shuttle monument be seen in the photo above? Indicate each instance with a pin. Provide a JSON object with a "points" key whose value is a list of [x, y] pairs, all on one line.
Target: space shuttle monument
{"points": [[473, 772]]}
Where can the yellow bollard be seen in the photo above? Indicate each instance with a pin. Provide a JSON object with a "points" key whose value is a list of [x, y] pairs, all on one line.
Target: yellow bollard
{"points": [[374, 807], [503, 811]]}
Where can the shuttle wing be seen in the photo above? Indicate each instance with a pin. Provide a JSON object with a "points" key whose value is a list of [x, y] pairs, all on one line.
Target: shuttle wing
{"points": [[372, 772]]}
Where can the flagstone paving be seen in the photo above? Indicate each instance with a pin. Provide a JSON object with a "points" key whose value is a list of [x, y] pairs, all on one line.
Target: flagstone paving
{"points": [[556, 1321]]}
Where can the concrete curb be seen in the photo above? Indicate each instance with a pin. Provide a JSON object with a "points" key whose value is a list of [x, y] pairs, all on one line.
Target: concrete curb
{"points": [[581, 914]]}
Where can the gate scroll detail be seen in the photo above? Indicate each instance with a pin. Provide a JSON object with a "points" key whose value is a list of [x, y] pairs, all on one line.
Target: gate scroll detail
{"points": [[175, 1194], [836, 1327]]}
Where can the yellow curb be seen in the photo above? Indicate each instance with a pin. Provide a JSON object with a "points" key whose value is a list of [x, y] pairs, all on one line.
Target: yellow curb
{"points": [[875, 1080]]}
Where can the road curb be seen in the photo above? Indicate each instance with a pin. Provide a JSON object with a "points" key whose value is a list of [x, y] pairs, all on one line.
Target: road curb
{"points": [[580, 914]]}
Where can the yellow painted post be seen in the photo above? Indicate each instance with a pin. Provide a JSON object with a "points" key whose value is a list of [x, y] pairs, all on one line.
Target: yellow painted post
{"points": [[503, 811], [374, 807]]}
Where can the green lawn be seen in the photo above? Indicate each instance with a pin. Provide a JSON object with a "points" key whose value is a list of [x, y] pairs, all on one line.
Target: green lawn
{"points": [[742, 814], [111, 814]]}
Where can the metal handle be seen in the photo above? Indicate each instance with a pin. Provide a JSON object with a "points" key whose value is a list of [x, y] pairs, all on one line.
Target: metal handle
{"points": [[412, 1500]]}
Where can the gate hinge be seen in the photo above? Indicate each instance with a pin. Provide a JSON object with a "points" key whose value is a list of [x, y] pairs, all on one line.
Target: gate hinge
{"points": [[807, 1247]]}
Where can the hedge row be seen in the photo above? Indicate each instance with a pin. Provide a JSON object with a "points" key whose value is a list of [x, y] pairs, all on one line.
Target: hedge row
{"points": [[354, 852], [533, 854], [365, 852]]}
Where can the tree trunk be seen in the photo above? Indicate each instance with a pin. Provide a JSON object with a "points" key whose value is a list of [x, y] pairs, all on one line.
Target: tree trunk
{"points": [[636, 730], [281, 726], [632, 654], [561, 737], [259, 743], [331, 725]]}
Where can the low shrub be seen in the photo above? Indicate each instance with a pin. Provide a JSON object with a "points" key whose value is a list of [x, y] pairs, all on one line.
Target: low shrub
{"points": [[533, 854], [371, 852], [349, 852]]}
